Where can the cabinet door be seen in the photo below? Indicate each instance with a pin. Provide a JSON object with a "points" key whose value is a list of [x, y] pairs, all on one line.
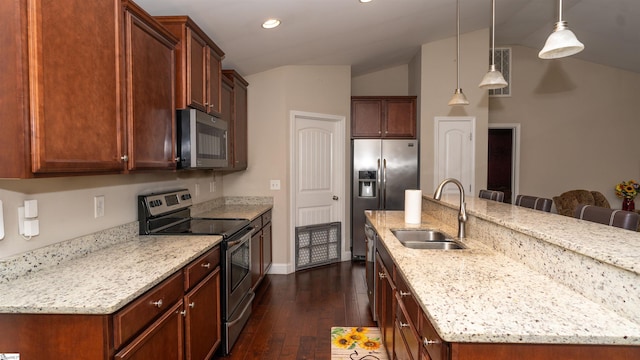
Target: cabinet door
{"points": [[150, 64], [240, 159], [400, 116], [366, 118], [226, 106], [202, 321], [197, 54], [14, 148], [164, 339], [385, 305], [266, 248], [75, 86], [214, 81], [256, 258]]}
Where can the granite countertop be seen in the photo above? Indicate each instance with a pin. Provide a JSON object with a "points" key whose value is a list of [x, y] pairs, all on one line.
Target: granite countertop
{"points": [[481, 295], [102, 280], [236, 211]]}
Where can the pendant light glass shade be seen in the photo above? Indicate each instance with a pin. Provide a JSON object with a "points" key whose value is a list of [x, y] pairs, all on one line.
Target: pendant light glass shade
{"points": [[493, 79], [562, 42], [458, 96]]}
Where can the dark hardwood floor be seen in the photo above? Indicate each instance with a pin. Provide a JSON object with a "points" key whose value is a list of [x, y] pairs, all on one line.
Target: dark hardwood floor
{"points": [[293, 314]]}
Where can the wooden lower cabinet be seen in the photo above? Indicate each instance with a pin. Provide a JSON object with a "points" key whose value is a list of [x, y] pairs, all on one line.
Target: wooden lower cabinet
{"points": [[385, 305], [261, 253], [176, 319], [162, 340]]}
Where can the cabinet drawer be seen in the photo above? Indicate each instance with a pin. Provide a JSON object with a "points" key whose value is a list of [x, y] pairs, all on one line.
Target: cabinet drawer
{"points": [[406, 296], [257, 224], [266, 218], [409, 338], [384, 256], [201, 267], [436, 348], [140, 313]]}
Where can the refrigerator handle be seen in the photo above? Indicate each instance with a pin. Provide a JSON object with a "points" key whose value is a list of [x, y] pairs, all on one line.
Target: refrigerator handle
{"points": [[378, 180], [384, 183]]}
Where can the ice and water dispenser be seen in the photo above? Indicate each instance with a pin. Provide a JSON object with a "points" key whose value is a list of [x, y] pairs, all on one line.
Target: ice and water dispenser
{"points": [[367, 183]]}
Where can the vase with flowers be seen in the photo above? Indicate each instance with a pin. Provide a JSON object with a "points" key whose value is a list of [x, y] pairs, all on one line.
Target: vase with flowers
{"points": [[627, 191]]}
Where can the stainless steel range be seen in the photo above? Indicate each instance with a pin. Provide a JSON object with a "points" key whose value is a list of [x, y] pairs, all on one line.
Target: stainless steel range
{"points": [[169, 213]]}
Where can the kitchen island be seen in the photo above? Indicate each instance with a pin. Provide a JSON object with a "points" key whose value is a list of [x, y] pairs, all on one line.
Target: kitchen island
{"points": [[526, 277]]}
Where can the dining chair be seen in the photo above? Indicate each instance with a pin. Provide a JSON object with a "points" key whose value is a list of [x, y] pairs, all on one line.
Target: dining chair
{"points": [[534, 202], [612, 217], [492, 195]]}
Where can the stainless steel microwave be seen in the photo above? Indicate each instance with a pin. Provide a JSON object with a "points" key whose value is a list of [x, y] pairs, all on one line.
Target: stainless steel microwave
{"points": [[202, 140]]}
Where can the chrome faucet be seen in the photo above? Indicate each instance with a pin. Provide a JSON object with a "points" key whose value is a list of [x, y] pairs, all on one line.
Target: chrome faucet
{"points": [[462, 213]]}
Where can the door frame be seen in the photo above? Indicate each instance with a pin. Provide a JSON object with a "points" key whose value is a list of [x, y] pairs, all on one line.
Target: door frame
{"points": [[339, 149], [515, 156]]}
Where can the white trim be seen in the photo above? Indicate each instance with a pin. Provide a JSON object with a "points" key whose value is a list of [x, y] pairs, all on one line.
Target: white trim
{"points": [[437, 120], [340, 186], [515, 161]]}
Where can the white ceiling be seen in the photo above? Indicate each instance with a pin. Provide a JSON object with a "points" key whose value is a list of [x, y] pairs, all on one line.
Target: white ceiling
{"points": [[386, 33]]}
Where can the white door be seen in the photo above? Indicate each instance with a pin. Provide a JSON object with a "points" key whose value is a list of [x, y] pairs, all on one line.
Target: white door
{"points": [[454, 151], [317, 170]]}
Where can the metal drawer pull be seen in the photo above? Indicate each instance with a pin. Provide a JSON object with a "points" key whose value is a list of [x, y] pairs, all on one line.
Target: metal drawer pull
{"points": [[404, 325], [192, 305], [382, 275], [428, 342], [183, 312], [157, 303], [206, 265], [404, 293]]}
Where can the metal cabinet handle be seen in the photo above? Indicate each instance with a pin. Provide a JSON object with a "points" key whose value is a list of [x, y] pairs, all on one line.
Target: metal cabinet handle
{"points": [[157, 303], [427, 342], [183, 312], [177, 159], [192, 305], [404, 293], [124, 158], [206, 265], [404, 325], [382, 275]]}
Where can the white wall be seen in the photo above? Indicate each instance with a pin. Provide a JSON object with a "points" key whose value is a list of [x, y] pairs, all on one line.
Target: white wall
{"points": [[579, 122], [388, 82], [65, 205], [438, 82], [272, 95]]}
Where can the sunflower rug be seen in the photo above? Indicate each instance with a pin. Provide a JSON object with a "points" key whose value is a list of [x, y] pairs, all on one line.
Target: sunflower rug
{"points": [[357, 343]]}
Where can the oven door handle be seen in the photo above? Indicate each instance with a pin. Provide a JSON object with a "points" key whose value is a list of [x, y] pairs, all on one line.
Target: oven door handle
{"points": [[239, 317], [242, 239]]}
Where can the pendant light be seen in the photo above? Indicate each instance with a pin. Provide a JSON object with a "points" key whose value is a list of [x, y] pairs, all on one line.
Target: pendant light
{"points": [[458, 97], [562, 41], [493, 79]]}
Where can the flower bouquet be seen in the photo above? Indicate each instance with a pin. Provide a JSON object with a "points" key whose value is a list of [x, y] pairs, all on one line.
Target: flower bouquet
{"points": [[627, 191]]}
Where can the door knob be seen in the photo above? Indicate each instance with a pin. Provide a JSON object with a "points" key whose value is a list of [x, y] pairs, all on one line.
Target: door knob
{"points": [[335, 198]]}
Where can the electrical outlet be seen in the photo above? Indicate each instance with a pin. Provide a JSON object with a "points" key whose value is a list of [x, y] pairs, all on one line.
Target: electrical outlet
{"points": [[275, 185], [212, 186], [98, 206]]}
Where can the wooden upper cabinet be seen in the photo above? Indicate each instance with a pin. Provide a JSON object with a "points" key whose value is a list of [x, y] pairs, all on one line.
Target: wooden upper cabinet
{"points": [[150, 89], [236, 88], [383, 117], [75, 83], [199, 66]]}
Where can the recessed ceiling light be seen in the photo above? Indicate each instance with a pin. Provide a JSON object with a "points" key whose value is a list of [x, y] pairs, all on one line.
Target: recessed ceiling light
{"points": [[365, 1], [271, 23]]}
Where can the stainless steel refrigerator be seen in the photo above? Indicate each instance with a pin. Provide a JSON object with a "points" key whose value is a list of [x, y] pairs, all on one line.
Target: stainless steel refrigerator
{"points": [[381, 170]]}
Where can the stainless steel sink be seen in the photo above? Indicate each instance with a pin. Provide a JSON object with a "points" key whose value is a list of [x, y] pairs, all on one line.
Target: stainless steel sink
{"points": [[426, 239]]}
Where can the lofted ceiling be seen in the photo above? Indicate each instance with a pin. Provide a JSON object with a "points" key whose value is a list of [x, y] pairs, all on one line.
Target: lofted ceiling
{"points": [[386, 33]]}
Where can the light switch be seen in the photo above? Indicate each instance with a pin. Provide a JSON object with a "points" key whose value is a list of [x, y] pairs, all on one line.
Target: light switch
{"points": [[31, 209]]}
